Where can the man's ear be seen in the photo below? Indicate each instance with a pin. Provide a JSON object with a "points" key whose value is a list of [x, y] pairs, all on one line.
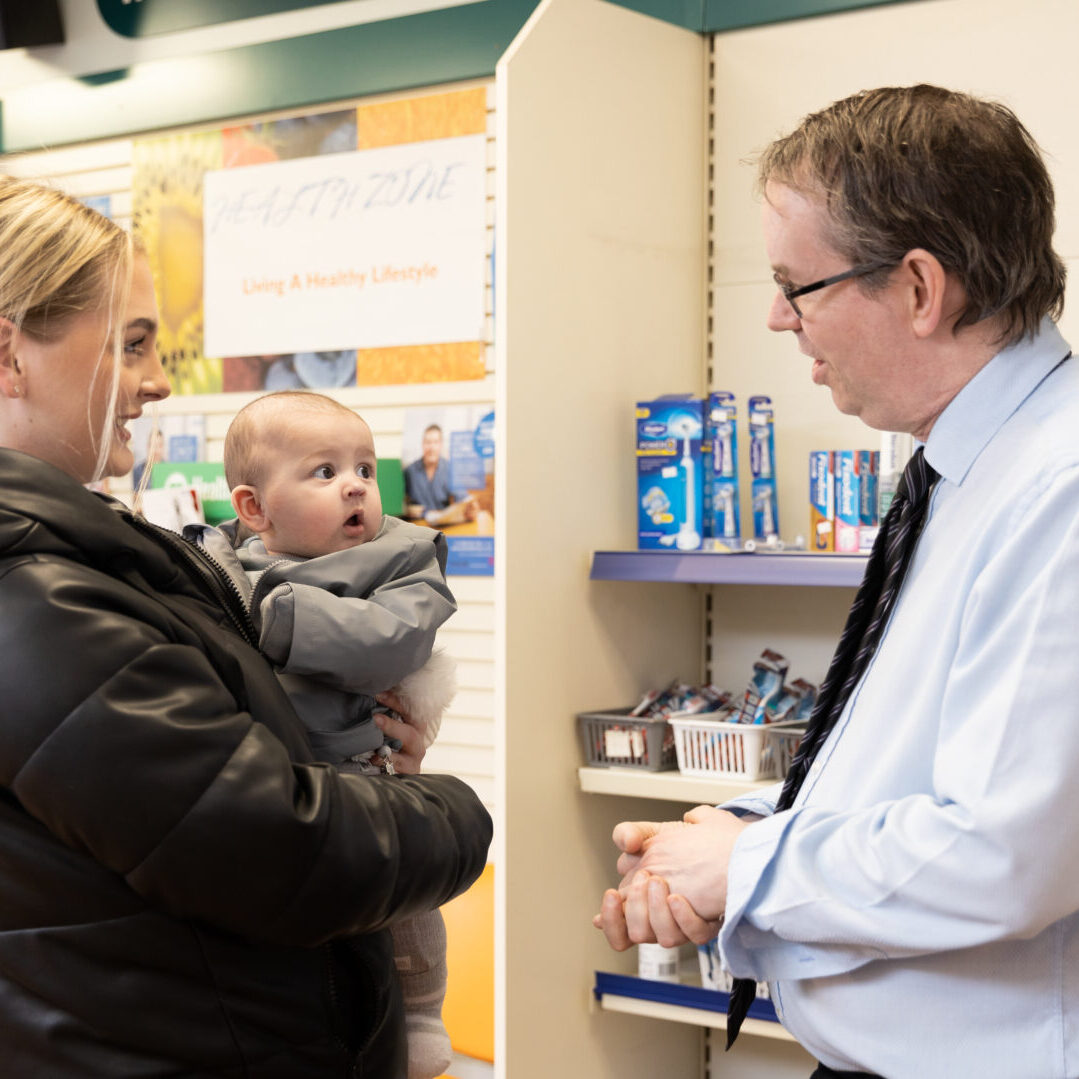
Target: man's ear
{"points": [[12, 377], [929, 286], [245, 501]]}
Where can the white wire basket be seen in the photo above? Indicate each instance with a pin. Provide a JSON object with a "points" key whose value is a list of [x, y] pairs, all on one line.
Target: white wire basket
{"points": [[710, 747]]}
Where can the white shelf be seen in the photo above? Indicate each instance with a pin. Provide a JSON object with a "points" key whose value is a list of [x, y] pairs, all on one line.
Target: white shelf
{"points": [[667, 786], [697, 1017]]}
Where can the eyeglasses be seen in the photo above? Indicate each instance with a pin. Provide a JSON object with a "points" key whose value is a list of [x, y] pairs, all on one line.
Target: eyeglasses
{"points": [[790, 293]]}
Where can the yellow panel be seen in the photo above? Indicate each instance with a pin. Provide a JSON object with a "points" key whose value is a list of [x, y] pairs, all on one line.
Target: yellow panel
{"points": [[469, 1009], [453, 362], [166, 201], [416, 119]]}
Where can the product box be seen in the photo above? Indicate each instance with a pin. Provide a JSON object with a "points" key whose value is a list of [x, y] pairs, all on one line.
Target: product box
{"points": [[868, 469], [848, 504], [721, 517], [762, 456], [670, 472], [821, 500]]}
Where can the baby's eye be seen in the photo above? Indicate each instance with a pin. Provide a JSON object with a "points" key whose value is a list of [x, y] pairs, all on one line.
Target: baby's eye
{"points": [[323, 472], [365, 472]]}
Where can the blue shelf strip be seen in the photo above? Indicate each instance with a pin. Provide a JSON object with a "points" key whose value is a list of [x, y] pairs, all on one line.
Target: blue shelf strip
{"points": [[686, 996], [709, 567]]}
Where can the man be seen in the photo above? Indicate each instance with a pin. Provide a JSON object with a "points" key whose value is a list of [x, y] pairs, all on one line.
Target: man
{"points": [[427, 479], [915, 907]]}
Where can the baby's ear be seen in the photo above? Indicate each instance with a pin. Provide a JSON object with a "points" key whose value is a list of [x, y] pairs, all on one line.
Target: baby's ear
{"points": [[245, 501]]}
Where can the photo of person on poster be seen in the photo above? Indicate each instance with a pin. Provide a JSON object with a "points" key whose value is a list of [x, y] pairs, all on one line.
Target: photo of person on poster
{"points": [[447, 458]]}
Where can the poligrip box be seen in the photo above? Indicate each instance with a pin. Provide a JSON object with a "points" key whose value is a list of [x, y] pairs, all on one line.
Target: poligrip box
{"points": [[822, 500], [868, 468], [848, 501]]}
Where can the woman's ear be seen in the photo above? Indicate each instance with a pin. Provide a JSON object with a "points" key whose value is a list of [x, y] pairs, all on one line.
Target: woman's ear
{"points": [[12, 378], [245, 501], [929, 285]]}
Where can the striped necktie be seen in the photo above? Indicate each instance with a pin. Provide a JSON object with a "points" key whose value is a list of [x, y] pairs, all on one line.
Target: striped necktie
{"points": [[888, 562]]}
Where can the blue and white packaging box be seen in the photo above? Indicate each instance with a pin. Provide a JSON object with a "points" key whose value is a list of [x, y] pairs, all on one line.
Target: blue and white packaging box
{"points": [[721, 518], [762, 456], [869, 469], [848, 504], [670, 472], [821, 500]]}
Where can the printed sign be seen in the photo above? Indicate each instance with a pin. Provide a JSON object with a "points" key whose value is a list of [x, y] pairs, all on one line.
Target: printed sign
{"points": [[369, 249]]}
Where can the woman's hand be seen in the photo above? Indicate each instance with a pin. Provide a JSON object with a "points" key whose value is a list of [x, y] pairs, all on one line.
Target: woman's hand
{"points": [[410, 733]]}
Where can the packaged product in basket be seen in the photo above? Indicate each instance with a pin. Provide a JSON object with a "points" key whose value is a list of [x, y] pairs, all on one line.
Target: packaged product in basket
{"points": [[765, 687]]}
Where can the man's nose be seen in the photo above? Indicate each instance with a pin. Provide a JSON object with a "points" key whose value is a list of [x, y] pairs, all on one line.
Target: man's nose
{"points": [[781, 315]]}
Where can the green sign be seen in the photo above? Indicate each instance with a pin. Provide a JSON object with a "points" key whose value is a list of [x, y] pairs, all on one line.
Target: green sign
{"points": [[141, 18], [207, 477]]}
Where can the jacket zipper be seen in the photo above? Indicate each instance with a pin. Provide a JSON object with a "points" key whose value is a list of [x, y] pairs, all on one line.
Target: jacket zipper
{"points": [[209, 571]]}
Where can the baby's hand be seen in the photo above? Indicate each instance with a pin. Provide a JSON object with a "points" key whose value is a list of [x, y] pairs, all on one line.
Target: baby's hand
{"points": [[410, 733]]}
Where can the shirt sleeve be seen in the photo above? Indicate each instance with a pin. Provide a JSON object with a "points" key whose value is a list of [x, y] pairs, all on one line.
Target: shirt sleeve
{"points": [[974, 857], [759, 803]]}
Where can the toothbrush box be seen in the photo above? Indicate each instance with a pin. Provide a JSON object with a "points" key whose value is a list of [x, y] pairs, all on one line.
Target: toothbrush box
{"points": [[721, 509], [848, 505], [821, 500], [671, 468], [762, 458]]}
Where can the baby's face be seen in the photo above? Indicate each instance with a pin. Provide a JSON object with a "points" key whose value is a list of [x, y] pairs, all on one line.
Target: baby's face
{"points": [[321, 493]]}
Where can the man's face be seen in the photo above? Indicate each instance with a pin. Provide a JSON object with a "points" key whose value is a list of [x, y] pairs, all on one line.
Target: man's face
{"points": [[858, 343], [432, 446]]}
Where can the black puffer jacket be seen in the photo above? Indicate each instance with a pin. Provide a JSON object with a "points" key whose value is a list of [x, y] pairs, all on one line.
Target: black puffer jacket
{"points": [[175, 873]]}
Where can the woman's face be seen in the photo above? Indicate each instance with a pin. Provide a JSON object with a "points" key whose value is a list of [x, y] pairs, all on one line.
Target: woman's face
{"points": [[67, 382]]}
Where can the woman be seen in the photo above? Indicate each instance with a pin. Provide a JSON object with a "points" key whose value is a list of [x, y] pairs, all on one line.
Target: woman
{"points": [[175, 871]]}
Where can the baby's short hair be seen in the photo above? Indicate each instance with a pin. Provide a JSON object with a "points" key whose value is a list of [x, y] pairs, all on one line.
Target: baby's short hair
{"points": [[256, 423]]}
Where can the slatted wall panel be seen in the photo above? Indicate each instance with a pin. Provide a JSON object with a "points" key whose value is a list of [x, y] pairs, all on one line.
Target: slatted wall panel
{"points": [[465, 746]]}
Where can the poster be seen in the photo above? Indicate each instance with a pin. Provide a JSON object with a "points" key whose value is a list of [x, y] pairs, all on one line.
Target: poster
{"points": [[168, 218], [447, 454]]}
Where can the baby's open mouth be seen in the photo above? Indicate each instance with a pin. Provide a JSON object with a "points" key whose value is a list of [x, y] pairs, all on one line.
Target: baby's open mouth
{"points": [[355, 520]]}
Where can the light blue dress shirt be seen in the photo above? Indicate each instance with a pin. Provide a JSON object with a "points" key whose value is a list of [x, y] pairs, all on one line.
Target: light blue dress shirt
{"points": [[916, 909]]}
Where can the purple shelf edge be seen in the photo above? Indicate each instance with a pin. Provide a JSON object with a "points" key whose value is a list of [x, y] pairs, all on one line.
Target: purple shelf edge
{"points": [[707, 567]]}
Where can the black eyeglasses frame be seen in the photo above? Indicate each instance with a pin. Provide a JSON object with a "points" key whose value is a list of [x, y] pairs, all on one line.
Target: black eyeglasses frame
{"points": [[791, 294]]}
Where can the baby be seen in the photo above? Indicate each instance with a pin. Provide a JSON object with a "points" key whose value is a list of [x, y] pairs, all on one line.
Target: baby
{"points": [[346, 603]]}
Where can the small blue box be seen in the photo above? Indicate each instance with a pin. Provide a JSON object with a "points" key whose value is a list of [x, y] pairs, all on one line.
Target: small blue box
{"points": [[670, 473]]}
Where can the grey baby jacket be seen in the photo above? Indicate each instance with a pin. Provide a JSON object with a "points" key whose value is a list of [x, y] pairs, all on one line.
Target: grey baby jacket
{"points": [[341, 627]]}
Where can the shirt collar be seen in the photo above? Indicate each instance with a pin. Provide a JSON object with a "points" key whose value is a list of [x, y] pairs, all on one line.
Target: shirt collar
{"points": [[981, 407]]}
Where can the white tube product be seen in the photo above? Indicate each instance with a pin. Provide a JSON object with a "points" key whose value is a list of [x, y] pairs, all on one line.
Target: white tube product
{"points": [[688, 539], [896, 449]]}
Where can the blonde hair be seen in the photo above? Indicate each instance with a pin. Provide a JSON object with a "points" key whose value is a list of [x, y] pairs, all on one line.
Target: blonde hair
{"points": [[61, 259], [256, 423]]}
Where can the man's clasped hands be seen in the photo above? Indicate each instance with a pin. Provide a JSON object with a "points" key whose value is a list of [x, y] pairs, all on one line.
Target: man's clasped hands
{"points": [[674, 879]]}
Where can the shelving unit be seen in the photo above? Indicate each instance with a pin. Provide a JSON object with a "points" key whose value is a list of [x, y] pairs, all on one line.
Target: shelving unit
{"points": [[667, 786], [706, 567], [682, 1004]]}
